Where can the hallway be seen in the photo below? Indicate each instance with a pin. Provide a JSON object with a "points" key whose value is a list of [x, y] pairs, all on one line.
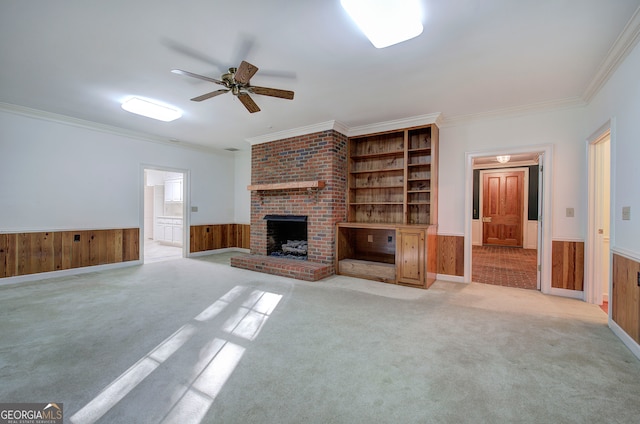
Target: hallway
{"points": [[505, 266]]}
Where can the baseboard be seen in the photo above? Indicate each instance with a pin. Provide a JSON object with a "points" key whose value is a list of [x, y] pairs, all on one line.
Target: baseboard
{"points": [[65, 272], [217, 251], [451, 278], [626, 339], [573, 294]]}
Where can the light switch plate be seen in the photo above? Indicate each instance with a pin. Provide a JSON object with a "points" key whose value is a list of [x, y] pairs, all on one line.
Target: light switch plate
{"points": [[570, 213], [626, 213], [194, 209], [370, 238]]}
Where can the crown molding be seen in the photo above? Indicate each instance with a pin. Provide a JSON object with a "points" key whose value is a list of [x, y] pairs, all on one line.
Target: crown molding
{"points": [[414, 121], [568, 103], [94, 126], [620, 49], [295, 132]]}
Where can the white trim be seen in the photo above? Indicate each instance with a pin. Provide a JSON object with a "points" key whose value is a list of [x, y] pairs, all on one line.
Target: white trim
{"points": [[546, 219], [540, 107], [450, 278], [628, 254], [295, 132], [573, 294], [626, 339], [66, 272], [413, 121], [620, 49], [451, 234], [217, 251], [109, 129], [569, 239]]}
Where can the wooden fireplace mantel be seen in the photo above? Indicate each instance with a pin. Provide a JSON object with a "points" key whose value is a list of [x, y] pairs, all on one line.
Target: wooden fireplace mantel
{"points": [[315, 184]]}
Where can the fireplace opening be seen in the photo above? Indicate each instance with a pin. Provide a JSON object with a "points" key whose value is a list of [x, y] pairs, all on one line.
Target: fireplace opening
{"points": [[287, 236]]}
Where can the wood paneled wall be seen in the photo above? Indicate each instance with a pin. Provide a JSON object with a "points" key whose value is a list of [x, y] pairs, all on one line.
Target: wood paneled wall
{"points": [[625, 298], [31, 253], [567, 265], [220, 236], [451, 255]]}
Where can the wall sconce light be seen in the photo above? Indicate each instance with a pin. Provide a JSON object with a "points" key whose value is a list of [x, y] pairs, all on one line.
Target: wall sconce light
{"points": [[503, 158]]}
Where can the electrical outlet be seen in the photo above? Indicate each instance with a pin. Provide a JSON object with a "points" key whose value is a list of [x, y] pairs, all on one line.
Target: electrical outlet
{"points": [[389, 239], [638, 278], [370, 238]]}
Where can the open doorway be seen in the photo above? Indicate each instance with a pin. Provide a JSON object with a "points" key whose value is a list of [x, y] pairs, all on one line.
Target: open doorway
{"points": [[164, 212], [545, 177], [505, 220], [597, 273]]}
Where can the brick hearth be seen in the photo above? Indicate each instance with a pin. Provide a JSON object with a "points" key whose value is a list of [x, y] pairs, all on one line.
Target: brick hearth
{"points": [[319, 156]]}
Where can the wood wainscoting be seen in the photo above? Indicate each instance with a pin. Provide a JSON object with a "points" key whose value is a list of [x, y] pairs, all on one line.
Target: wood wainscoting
{"points": [[567, 265], [451, 255], [36, 252], [625, 307], [219, 236]]}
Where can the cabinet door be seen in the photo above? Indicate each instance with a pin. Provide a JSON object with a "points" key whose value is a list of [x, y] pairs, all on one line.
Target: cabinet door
{"points": [[410, 256]]}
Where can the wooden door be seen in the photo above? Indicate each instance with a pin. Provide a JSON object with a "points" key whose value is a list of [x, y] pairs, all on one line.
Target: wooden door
{"points": [[410, 257], [503, 208]]}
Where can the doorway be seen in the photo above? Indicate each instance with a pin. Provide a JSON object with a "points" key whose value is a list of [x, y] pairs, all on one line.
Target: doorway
{"points": [[164, 213], [598, 273], [520, 257]]}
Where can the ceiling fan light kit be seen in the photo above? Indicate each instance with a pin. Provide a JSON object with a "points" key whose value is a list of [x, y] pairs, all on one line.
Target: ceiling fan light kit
{"points": [[236, 81], [386, 22]]}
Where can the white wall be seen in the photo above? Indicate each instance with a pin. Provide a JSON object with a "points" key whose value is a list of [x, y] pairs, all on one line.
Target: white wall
{"points": [[242, 179], [619, 100], [58, 176], [560, 128]]}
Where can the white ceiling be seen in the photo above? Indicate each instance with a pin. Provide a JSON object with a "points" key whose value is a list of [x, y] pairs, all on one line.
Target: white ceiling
{"points": [[80, 58]]}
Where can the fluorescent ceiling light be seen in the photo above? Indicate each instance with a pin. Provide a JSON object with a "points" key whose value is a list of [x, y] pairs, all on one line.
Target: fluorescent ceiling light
{"points": [[151, 109], [386, 22]]}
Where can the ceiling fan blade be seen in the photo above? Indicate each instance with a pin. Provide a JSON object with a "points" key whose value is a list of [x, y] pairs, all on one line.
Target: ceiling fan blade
{"points": [[209, 95], [248, 103], [244, 72], [202, 77], [273, 92]]}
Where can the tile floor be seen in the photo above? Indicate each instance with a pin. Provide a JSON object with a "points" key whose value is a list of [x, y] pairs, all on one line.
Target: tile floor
{"points": [[505, 266]]}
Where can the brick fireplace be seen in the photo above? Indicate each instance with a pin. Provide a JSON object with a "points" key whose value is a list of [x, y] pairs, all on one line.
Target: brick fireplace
{"points": [[319, 157]]}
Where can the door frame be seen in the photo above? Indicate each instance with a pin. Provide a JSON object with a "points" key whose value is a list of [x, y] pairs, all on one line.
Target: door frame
{"points": [[525, 200], [186, 217], [592, 288], [544, 220]]}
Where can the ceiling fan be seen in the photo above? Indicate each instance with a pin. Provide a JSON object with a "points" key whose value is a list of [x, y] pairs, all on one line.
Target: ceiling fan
{"points": [[236, 81]]}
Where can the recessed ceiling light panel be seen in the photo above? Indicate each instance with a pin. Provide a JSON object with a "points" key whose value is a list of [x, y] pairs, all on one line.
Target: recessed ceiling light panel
{"points": [[386, 22], [151, 109]]}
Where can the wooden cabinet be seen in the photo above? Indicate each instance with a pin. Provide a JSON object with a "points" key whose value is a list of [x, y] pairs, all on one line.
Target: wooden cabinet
{"points": [[392, 208], [410, 256]]}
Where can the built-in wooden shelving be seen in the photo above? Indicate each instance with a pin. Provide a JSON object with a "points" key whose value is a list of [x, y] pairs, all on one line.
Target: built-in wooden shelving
{"points": [[392, 206]]}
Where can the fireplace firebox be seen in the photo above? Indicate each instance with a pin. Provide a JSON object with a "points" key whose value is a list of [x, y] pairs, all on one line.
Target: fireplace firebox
{"points": [[287, 236]]}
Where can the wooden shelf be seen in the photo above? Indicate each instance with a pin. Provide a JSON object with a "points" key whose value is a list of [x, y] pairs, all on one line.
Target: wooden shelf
{"points": [[375, 203], [377, 188], [418, 191], [374, 171], [287, 186], [378, 155]]}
